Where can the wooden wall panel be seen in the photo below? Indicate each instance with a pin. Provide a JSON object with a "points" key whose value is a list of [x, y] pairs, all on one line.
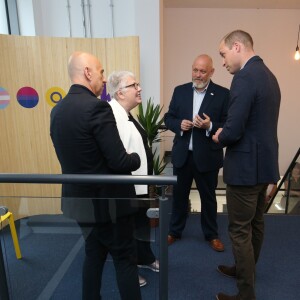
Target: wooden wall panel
{"points": [[26, 147]]}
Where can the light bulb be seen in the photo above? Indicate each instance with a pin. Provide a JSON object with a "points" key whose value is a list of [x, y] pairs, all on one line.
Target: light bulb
{"points": [[297, 55]]}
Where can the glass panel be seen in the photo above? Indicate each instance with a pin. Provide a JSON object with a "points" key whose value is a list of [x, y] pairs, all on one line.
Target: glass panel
{"points": [[53, 246], [288, 197]]}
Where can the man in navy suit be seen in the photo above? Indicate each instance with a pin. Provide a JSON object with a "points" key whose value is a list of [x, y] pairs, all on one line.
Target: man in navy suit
{"points": [[251, 160], [196, 111], [86, 140]]}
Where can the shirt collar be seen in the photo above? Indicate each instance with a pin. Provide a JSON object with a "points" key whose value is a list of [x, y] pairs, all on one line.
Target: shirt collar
{"points": [[204, 91]]}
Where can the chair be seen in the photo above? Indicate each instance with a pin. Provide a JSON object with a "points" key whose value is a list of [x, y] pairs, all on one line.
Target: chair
{"points": [[5, 214]]}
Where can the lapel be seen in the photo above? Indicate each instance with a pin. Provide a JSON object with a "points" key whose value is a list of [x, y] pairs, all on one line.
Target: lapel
{"points": [[208, 98], [189, 99]]}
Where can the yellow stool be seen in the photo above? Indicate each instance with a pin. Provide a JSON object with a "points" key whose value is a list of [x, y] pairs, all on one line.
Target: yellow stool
{"points": [[13, 231]]}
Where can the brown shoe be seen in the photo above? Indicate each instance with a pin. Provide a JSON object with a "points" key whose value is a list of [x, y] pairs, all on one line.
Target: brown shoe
{"points": [[172, 239], [222, 296], [229, 271], [217, 245]]}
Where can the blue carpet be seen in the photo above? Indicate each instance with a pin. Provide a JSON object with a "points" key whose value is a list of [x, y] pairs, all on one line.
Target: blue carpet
{"points": [[52, 262]]}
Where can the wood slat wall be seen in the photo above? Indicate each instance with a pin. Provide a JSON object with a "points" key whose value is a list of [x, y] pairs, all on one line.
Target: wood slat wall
{"points": [[26, 147]]}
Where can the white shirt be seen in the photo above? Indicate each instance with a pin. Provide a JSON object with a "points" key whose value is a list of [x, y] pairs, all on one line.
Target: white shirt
{"points": [[197, 101], [131, 140]]}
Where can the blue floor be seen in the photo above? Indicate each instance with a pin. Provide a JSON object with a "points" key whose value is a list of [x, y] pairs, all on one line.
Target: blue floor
{"points": [[52, 261]]}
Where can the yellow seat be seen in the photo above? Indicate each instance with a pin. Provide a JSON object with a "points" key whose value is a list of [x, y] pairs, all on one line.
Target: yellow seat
{"points": [[11, 221]]}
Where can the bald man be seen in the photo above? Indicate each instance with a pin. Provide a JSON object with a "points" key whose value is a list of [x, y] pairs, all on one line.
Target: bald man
{"points": [[196, 111], [86, 140]]}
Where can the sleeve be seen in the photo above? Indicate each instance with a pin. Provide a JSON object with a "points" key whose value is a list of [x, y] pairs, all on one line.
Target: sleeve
{"points": [[242, 96], [216, 124], [171, 119]]}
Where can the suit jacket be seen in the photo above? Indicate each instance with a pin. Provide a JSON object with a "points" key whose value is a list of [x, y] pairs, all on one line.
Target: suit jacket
{"points": [[86, 140], [250, 132], [208, 156]]}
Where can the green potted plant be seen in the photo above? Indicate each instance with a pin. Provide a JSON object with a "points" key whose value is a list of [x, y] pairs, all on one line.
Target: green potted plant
{"points": [[151, 122]]}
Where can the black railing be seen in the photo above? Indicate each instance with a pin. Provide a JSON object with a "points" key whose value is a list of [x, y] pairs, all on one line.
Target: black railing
{"points": [[286, 177]]}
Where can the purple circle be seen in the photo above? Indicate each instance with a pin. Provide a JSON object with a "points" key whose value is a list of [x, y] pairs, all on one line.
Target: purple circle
{"points": [[27, 97]]}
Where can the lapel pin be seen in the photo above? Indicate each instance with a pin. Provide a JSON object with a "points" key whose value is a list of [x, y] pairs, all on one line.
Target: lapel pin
{"points": [[212, 94]]}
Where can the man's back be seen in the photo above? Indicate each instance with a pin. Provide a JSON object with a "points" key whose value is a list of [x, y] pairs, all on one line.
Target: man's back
{"points": [[86, 141], [252, 145]]}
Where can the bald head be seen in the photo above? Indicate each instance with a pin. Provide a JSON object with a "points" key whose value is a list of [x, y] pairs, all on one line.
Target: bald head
{"points": [[202, 71], [205, 59], [85, 69]]}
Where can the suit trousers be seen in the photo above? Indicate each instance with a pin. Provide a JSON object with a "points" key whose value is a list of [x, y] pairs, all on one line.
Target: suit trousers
{"points": [[117, 240], [246, 205], [206, 183]]}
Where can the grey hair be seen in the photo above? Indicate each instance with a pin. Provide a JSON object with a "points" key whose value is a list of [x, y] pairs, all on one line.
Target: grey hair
{"points": [[238, 36], [117, 80]]}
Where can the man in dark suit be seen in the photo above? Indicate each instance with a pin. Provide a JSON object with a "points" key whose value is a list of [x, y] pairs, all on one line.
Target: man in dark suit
{"points": [[86, 140], [196, 111], [251, 160]]}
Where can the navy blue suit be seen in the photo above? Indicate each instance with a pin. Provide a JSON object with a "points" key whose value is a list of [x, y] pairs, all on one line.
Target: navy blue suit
{"points": [[250, 132], [201, 164], [251, 162]]}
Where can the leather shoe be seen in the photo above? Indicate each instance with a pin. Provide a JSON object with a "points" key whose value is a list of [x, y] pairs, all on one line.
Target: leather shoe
{"points": [[153, 267], [229, 271], [217, 245], [172, 239], [222, 296], [142, 281]]}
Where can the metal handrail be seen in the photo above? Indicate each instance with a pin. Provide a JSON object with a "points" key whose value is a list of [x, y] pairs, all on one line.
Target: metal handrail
{"points": [[86, 178]]}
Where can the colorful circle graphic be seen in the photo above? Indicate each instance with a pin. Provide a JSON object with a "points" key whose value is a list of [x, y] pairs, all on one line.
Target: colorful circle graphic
{"points": [[4, 98], [54, 95], [27, 97]]}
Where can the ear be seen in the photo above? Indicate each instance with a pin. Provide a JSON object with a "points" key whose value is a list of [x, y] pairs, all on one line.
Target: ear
{"points": [[120, 94], [88, 73], [237, 46]]}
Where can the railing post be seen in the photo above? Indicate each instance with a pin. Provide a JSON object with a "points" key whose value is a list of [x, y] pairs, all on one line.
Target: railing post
{"points": [[4, 295], [163, 245], [288, 192]]}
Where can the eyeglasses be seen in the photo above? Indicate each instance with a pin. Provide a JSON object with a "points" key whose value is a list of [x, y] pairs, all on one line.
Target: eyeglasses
{"points": [[135, 85]]}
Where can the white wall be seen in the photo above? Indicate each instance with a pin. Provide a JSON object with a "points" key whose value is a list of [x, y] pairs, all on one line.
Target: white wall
{"points": [[26, 18], [3, 21], [189, 32]]}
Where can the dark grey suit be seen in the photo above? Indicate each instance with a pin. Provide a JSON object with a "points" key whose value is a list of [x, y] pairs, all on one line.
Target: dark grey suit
{"points": [[251, 163], [203, 163], [86, 141]]}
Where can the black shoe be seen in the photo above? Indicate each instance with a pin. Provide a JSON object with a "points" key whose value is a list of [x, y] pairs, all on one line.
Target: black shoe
{"points": [[222, 296], [229, 271]]}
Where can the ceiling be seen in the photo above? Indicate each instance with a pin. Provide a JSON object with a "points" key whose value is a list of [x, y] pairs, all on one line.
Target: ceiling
{"points": [[266, 4]]}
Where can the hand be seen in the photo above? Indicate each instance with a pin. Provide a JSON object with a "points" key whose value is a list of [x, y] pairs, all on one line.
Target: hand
{"points": [[202, 123], [186, 125], [215, 137]]}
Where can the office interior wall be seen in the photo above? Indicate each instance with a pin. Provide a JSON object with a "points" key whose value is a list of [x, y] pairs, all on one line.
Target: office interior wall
{"points": [[26, 18], [3, 20], [188, 32], [26, 146]]}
